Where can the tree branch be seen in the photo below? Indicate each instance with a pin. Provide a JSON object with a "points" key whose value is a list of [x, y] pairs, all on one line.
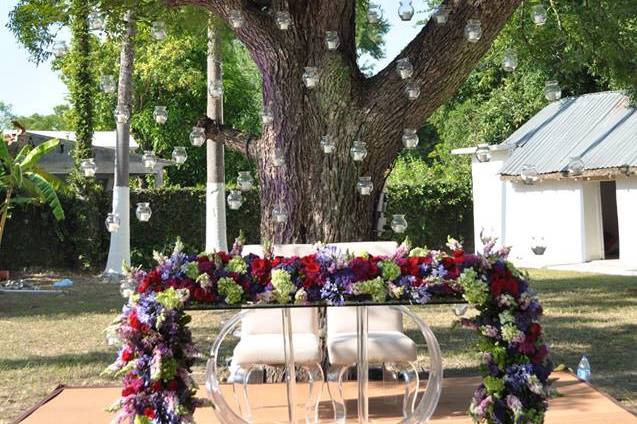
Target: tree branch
{"points": [[442, 60], [232, 138]]}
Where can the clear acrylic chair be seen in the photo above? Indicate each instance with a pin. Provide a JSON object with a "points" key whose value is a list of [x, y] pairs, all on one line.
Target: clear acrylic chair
{"points": [[262, 344]]}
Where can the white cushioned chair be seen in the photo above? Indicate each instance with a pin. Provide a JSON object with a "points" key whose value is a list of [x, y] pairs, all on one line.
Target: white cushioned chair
{"points": [[386, 344], [262, 343]]}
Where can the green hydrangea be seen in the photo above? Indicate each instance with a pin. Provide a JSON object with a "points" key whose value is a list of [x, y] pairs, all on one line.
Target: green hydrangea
{"points": [[418, 251], [476, 291], [375, 288], [510, 332], [507, 317], [204, 280], [141, 419], [391, 271], [231, 291], [283, 285], [238, 265], [494, 385], [192, 270], [171, 298]]}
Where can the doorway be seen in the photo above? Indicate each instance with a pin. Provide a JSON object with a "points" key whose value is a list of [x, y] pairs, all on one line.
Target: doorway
{"points": [[610, 226]]}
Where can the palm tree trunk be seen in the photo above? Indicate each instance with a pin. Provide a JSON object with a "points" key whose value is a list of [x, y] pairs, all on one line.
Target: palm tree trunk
{"points": [[5, 212], [119, 251], [216, 238]]}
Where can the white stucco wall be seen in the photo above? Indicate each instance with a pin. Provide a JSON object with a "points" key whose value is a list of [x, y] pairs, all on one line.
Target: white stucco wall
{"points": [[552, 210], [488, 198], [627, 218]]}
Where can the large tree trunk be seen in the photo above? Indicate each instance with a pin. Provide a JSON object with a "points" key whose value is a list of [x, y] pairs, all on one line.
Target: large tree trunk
{"points": [[119, 250], [318, 190]]}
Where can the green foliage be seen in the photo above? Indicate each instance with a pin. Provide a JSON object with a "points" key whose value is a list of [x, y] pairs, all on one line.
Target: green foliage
{"points": [[369, 37], [82, 81], [59, 120], [21, 181]]}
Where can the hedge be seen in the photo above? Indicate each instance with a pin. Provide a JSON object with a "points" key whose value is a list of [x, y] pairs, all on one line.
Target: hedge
{"points": [[33, 239]]}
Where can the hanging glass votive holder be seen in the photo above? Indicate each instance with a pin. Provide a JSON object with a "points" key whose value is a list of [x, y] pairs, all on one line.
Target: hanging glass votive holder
{"points": [[149, 160], [327, 144], [96, 21], [365, 186], [358, 151], [404, 68], [112, 222], [410, 138], [235, 199], [483, 153], [158, 30], [216, 89], [160, 114], [245, 181], [60, 49], [441, 14], [332, 40], [412, 89], [552, 91], [280, 214], [510, 60], [538, 14], [283, 20], [197, 136], [122, 114], [373, 14], [576, 167], [143, 211], [529, 175], [235, 17], [107, 83], [406, 10], [399, 224], [88, 167], [473, 30], [179, 155], [538, 246], [311, 76]]}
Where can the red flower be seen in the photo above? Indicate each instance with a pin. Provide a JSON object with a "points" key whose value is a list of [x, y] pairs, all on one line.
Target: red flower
{"points": [[204, 264], [225, 258], [203, 295], [261, 269], [172, 385], [132, 386], [127, 354], [505, 285], [149, 412], [156, 386], [310, 265], [364, 269], [412, 266], [540, 355], [133, 321]]}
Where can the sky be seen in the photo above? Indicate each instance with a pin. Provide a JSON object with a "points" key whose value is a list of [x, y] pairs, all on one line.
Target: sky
{"points": [[31, 88]]}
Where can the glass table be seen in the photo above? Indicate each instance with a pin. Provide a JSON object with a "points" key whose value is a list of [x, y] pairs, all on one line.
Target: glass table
{"points": [[420, 413]]}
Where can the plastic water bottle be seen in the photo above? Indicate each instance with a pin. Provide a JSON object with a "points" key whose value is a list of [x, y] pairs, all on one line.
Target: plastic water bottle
{"points": [[584, 369]]}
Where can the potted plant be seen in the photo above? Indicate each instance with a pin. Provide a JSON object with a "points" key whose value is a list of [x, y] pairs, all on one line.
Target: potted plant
{"points": [[22, 182]]}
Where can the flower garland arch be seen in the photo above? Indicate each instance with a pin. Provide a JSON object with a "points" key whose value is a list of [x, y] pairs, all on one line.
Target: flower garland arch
{"points": [[156, 350]]}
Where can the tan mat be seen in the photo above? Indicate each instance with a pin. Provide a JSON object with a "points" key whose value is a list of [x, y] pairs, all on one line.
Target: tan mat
{"points": [[579, 403]]}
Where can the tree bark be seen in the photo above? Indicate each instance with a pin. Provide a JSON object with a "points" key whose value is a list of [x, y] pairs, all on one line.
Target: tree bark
{"points": [[318, 190], [119, 250], [216, 237]]}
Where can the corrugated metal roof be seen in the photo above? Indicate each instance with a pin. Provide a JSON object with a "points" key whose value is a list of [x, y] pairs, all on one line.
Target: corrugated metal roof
{"points": [[599, 128]]}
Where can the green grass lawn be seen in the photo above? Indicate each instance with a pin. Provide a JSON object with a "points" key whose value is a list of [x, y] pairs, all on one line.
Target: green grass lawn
{"points": [[48, 340]]}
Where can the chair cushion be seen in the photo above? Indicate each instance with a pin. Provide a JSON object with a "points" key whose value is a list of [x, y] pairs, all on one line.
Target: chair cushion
{"points": [[267, 349], [380, 318], [269, 321], [382, 346]]}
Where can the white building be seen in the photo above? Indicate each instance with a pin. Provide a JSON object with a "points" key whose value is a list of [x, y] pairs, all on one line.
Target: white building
{"points": [[591, 216]]}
